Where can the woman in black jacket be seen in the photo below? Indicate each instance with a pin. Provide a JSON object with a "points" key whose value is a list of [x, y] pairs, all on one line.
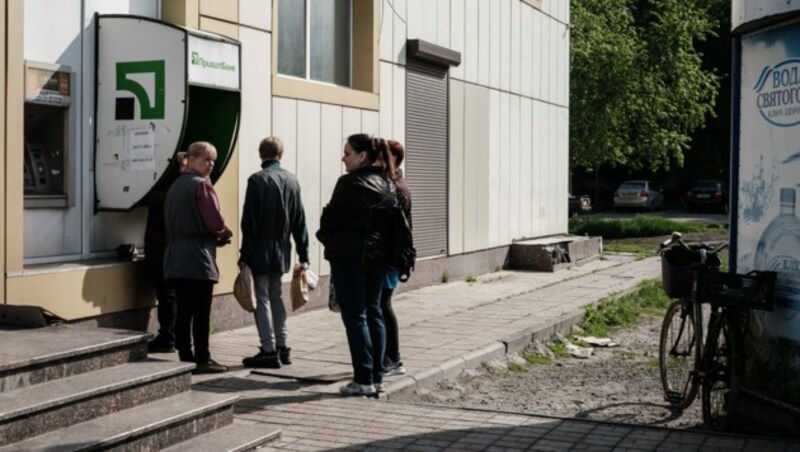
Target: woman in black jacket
{"points": [[355, 230]]}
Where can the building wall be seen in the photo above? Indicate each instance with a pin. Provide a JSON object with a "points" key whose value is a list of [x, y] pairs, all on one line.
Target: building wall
{"points": [[508, 113]]}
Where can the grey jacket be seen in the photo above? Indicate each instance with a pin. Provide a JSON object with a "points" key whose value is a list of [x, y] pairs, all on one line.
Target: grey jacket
{"points": [[191, 250], [273, 210]]}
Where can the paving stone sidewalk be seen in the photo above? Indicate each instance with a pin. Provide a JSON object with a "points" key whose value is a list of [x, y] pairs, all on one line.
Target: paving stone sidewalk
{"points": [[444, 329]]}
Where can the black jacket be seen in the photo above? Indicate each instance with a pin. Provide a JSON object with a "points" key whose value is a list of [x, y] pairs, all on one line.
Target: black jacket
{"points": [[355, 224], [272, 211]]}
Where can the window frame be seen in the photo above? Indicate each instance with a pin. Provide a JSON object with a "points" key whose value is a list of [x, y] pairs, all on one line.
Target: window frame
{"points": [[363, 91]]}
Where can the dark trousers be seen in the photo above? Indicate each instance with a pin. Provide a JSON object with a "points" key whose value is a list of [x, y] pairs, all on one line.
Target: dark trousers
{"points": [[358, 293], [167, 309], [392, 329], [193, 319]]}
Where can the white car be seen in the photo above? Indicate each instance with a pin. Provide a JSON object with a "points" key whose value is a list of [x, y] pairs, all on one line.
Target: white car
{"points": [[638, 194]]}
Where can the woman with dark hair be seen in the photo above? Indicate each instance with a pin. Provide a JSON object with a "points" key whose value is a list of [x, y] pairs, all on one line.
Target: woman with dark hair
{"points": [[391, 362], [355, 230]]}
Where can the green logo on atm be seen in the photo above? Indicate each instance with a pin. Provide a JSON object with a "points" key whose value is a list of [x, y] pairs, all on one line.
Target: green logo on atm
{"points": [[149, 108]]}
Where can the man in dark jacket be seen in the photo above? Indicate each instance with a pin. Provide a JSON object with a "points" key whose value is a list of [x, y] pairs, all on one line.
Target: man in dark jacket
{"points": [[272, 211]]}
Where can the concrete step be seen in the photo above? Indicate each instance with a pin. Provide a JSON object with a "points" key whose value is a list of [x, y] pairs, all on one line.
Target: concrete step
{"points": [[38, 409], [153, 426], [236, 437], [553, 253], [34, 356]]}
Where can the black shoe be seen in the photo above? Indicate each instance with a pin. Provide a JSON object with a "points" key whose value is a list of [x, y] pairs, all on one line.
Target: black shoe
{"points": [[211, 367], [284, 353], [160, 345], [263, 360], [187, 357]]}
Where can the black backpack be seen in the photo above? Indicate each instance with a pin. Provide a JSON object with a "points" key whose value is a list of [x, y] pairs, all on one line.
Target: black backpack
{"points": [[402, 254]]}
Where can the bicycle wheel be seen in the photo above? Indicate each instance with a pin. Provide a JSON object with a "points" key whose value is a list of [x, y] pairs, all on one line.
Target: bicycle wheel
{"points": [[719, 380], [677, 355]]}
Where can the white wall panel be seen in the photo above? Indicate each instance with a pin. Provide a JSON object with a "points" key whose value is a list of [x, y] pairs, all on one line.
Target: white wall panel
{"points": [[456, 177], [525, 166], [416, 19], [255, 121], [309, 167], [351, 122], [400, 26], [494, 168], [505, 44], [516, 45], [399, 105], [484, 39], [526, 52], [457, 36], [477, 148], [331, 146], [547, 64], [284, 125], [256, 13], [536, 172], [386, 97], [538, 67], [565, 55], [387, 31], [495, 42], [472, 36], [514, 173], [503, 150], [443, 23], [370, 122], [554, 59]]}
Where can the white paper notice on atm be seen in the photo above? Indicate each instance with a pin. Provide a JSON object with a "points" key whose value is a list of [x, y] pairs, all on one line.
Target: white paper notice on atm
{"points": [[141, 149]]}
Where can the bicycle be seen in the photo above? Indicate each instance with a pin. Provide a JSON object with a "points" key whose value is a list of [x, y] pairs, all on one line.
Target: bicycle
{"points": [[691, 275]]}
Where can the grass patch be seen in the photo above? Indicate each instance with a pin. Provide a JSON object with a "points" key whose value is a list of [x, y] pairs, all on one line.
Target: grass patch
{"points": [[560, 350], [649, 298], [471, 279], [517, 368], [535, 359], [641, 250], [638, 226]]}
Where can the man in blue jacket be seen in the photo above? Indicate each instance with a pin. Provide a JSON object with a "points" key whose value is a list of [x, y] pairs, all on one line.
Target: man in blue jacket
{"points": [[272, 212]]}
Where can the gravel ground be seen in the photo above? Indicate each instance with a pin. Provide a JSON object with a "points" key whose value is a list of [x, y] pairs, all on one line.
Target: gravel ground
{"points": [[620, 384]]}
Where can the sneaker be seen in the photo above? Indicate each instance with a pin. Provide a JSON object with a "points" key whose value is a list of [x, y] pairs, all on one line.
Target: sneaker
{"points": [[284, 353], [356, 389], [263, 360], [160, 345], [393, 368], [379, 388], [211, 367]]}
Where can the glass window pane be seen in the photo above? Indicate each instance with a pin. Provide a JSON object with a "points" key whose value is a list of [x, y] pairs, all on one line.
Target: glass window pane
{"points": [[292, 37], [330, 41]]}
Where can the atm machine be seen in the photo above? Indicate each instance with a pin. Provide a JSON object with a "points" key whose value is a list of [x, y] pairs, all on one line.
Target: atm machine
{"points": [[47, 154]]}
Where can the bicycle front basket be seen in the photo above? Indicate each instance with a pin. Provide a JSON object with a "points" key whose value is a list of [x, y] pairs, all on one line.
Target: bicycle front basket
{"points": [[754, 290]]}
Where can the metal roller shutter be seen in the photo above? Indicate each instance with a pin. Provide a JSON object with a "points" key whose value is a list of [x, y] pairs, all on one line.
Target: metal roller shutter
{"points": [[426, 154]]}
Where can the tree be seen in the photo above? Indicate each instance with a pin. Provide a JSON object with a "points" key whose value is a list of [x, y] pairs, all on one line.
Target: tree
{"points": [[638, 88]]}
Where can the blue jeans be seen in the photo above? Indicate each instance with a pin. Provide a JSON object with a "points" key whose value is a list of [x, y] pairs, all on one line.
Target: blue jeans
{"points": [[358, 293], [270, 312]]}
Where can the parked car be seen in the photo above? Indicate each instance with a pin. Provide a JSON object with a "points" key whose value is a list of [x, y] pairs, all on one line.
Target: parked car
{"points": [[638, 194], [579, 204], [707, 194]]}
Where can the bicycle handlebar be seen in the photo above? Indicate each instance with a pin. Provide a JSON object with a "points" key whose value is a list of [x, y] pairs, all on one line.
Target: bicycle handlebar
{"points": [[676, 238]]}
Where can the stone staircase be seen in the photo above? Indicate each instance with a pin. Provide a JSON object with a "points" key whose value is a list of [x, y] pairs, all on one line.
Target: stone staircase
{"points": [[65, 388]]}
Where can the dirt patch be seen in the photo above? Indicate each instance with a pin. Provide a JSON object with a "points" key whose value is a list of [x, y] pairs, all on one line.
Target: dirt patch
{"points": [[620, 384]]}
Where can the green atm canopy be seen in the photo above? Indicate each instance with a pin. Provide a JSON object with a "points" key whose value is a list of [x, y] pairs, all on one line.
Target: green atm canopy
{"points": [[159, 88]]}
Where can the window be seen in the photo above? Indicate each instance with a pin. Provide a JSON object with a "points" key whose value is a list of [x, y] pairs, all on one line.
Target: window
{"points": [[314, 40]]}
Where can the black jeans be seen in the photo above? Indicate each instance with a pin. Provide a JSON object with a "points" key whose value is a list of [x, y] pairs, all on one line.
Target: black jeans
{"points": [[167, 309], [193, 319], [392, 329]]}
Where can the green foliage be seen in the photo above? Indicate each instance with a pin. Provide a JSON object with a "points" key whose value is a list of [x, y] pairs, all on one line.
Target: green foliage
{"points": [[621, 312], [638, 226], [638, 88], [534, 358], [517, 368], [445, 276], [471, 279], [559, 349]]}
